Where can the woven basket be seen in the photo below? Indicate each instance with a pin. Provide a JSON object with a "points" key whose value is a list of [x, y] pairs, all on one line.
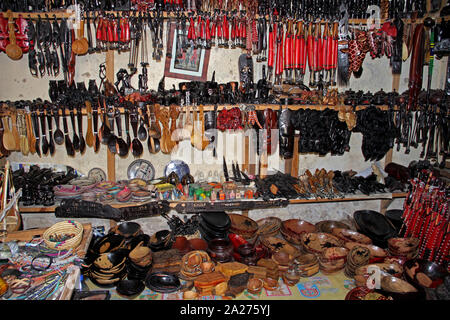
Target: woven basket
{"points": [[61, 228]]}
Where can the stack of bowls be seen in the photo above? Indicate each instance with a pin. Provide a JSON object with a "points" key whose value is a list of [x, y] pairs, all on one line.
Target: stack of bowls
{"points": [[193, 264], [404, 247], [283, 259], [357, 257], [348, 235], [332, 259], [317, 242], [140, 262], [306, 265], [243, 226], [293, 229], [109, 268], [214, 225], [161, 240], [269, 226]]}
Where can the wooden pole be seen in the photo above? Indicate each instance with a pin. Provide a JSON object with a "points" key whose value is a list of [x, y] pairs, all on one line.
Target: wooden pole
{"points": [[111, 160]]}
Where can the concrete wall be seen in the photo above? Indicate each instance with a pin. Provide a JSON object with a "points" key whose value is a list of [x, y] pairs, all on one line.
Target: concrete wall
{"points": [[17, 83]]}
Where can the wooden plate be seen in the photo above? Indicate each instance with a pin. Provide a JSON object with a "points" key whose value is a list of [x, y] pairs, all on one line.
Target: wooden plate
{"points": [[350, 235], [276, 244], [316, 242], [242, 225]]}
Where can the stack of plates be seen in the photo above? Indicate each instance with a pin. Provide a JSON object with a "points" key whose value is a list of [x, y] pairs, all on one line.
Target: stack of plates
{"points": [[357, 257], [333, 259], [306, 265], [243, 226], [214, 225], [109, 268], [404, 247]]}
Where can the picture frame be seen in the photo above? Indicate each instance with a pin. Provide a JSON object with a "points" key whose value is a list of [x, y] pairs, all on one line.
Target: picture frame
{"points": [[191, 65]]}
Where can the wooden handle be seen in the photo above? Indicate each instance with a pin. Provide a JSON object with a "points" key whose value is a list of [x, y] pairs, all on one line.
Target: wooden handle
{"points": [[15, 131], [89, 132], [30, 134]]}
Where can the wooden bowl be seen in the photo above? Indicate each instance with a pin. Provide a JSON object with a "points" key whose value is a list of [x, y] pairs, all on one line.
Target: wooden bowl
{"points": [[242, 225], [255, 285], [128, 229], [269, 226], [190, 295], [316, 242], [375, 252], [424, 274], [328, 225], [275, 244], [348, 235], [110, 260], [399, 289], [403, 246], [270, 284], [282, 258], [198, 244], [295, 227], [207, 266], [335, 253]]}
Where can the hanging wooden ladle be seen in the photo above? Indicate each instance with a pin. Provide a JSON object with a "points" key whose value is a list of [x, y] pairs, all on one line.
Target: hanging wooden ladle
{"points": [[12, 49], [8, 137], [81, 45]]}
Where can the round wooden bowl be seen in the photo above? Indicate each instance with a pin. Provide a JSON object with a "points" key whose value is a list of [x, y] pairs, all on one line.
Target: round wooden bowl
{"points": [[399, 289], [270, 284], [348, 235], [335, 253], [255, 285], [328, 225], [424, 274], [403, 246], [190, 295], [242, 225], [269, 226], [274, 244], [282, 258], [316, 242], [198, 244], [375, 252], [292, 229]]}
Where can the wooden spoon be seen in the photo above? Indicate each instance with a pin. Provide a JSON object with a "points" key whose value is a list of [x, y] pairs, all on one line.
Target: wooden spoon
{"points": [[198, 139], [14, 130], [8, 138], [30, 134], [80, 46], [23, 134], [89, 132], [3, 151], [12, 49]]}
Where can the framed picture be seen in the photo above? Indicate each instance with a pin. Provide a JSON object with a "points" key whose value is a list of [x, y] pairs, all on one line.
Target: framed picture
{"points": [[189, 64]]}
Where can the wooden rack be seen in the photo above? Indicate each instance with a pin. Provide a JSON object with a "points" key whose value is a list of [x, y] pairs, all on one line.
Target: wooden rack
{"points": [[68, 14], [356, 197], [111, 175]]}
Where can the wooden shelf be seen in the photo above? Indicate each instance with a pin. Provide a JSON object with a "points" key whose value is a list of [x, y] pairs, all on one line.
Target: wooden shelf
{"points": [[356, 197]]}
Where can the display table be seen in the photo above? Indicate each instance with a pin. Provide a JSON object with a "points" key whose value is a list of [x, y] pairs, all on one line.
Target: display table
{"points": [[318, 287]]}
